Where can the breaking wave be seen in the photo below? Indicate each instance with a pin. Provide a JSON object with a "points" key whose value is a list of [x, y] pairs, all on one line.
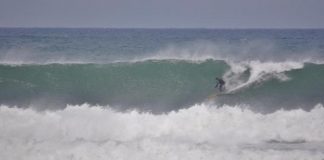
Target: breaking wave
{"points": [[163, 85], [122, 94], [199, 132]]}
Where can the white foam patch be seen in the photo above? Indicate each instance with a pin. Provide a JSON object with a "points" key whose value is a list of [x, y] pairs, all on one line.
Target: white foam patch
{"points": [[199, 132], [258, 72]]}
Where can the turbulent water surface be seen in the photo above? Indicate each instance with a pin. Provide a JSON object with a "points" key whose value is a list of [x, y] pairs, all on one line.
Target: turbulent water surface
{"points": [[149, 94]]}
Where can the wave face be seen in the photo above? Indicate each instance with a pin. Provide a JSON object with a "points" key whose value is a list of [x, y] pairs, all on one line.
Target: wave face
{"points": [[199, 132], [165, 84]]}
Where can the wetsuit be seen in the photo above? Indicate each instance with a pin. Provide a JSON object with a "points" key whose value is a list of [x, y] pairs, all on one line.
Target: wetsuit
{"points": [[220, 84]]}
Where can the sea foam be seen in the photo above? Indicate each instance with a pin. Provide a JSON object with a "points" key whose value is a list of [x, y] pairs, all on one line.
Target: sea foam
{"points": [[199, 132]]}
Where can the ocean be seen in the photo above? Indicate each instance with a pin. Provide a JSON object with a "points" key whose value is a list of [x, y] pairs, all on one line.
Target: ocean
{"points": [[77, 93]]}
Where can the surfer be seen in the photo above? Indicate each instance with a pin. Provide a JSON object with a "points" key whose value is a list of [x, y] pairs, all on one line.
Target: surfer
{"points": [[220, 84]]}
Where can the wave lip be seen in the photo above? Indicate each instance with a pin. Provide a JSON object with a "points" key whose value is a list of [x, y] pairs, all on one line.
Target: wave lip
{"points": [[85, 131]]}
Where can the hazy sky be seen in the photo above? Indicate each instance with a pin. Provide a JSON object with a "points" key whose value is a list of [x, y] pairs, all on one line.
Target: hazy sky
{"points": [[163, 13]]}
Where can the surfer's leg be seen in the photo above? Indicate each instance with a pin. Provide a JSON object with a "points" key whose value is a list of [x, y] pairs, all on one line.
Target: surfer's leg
{"points": [[221, 88]]}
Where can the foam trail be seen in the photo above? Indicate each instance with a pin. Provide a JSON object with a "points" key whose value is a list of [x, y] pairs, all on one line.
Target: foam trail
{"points": [[199, 132]]}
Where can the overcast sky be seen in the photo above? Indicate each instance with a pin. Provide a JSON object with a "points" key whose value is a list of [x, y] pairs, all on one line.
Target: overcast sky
{"points": [[163, 13]]}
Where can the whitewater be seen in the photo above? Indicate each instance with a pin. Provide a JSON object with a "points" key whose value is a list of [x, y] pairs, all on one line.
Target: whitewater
{"points": [[122, 94], [199, 132]]}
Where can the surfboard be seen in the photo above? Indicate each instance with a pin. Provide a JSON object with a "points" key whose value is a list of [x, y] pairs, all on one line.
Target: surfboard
{"points": [[215, 95]]}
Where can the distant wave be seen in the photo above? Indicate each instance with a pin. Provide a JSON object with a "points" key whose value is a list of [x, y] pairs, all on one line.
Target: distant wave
{"points": [[194, 51]]}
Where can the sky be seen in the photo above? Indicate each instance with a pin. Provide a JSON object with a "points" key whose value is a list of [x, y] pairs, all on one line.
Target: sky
{"points": [[163, 13]]}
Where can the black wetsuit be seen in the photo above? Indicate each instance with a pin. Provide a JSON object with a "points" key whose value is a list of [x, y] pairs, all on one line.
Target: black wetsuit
{"points": [[220, 84]]}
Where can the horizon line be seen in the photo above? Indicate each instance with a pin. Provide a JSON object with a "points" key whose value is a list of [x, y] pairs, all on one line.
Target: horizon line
{"points": [[207, 28]]}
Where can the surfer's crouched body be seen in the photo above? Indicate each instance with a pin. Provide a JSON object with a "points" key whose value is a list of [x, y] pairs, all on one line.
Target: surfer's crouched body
{"points": [[220, 84]]}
